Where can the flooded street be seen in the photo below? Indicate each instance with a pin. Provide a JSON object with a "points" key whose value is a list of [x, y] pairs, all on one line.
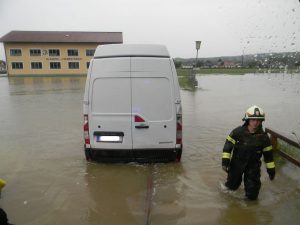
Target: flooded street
{"points": [[49, 181]]}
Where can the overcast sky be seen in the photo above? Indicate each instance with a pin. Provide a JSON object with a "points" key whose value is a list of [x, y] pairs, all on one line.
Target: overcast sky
{"points": [[225, 27]]}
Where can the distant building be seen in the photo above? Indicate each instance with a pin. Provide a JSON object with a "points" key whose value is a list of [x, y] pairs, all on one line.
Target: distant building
{"points": [[229, 64], [186, 66], [53, 52]]}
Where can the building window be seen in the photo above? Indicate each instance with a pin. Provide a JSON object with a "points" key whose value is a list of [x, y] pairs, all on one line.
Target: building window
{"points": [[17, 65], [54, 52], [73, 65], [36, 65], [87, 65], [90, 52], [35, 52], [72, 52], [15, 52], [55, 65]]}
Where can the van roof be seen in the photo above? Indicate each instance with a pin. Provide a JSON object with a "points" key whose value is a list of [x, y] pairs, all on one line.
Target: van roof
{"points": [[131, 50]]}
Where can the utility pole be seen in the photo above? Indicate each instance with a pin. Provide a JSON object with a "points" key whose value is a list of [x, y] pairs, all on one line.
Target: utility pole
{"points": [[198, 44], [243, 59], [192, 76]]}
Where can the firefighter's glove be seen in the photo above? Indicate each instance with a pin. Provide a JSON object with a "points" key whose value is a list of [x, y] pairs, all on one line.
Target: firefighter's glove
{"points": [[225, 164], [271, 173]]}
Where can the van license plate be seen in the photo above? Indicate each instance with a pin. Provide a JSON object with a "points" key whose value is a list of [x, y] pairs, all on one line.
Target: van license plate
{"points": [[117, 139]]}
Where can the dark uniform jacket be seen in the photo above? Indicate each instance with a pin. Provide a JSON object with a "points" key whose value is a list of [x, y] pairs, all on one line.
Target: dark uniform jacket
{"points": [[246, 147]]}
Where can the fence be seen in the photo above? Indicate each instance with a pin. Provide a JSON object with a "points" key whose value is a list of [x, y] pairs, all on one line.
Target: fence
{"points": [[274, 140]]}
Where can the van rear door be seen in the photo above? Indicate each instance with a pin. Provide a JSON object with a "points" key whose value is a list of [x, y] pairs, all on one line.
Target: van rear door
{"points": [[153, 107], [110, 108]]}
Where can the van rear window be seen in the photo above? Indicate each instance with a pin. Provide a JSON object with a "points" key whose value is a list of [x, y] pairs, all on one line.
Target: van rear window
{"points": [[152, 97], [111, 95]]}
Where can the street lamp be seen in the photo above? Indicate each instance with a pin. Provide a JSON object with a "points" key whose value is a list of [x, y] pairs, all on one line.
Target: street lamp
{"points": [[198, 43]]}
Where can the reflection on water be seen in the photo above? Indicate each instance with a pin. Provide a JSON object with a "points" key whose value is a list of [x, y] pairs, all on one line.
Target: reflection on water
{"points": [[117, 193], [49, 181], [168, 194], [39, 85]]}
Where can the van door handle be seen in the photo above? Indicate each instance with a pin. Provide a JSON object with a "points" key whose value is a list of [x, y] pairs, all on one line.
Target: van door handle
{"points": [[142, 126]]}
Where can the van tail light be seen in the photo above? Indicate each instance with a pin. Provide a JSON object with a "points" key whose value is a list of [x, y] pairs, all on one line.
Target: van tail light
{"points": [[86, 130], [138, 119], [178, 130]]}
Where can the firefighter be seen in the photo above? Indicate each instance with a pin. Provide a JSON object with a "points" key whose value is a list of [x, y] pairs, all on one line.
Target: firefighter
{"points": [[242, 153]]}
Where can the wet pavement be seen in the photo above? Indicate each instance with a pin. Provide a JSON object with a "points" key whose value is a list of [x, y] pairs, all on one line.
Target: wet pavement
{"points": [[49, 182]]}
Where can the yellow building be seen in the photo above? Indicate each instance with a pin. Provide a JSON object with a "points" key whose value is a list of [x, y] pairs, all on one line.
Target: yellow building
{"points": [[53, 52]]}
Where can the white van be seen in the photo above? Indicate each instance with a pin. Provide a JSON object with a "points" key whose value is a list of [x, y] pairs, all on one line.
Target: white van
{"points": [[132, 106]]}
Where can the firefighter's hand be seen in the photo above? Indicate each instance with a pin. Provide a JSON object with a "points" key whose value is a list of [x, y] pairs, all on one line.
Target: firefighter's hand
{"points": [[271, 173], [225, 164]]}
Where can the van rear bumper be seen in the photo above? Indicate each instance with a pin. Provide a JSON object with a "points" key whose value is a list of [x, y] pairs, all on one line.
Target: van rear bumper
{"points": [[136, 155]]}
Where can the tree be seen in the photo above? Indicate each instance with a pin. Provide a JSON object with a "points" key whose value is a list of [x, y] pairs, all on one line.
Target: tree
{"points": [[208, 63], [220, 62], [199, 63], [177, 63], [253, 64]]}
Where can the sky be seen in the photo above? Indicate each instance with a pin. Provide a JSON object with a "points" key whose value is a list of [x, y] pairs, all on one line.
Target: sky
{"points": [[225, 27]]}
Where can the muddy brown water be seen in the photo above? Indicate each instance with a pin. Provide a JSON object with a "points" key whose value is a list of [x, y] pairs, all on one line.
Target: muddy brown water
{"points": [[49, 182]]}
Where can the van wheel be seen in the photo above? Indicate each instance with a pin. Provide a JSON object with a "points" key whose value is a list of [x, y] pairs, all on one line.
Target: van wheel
{"points": [[88, 155], [178, 155]]}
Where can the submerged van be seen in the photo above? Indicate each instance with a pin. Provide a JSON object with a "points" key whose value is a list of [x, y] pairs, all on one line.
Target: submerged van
{"points": [[132, 105]]}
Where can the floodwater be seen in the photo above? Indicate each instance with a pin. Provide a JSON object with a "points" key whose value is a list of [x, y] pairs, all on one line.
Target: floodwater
{"points": [[50, 183]]}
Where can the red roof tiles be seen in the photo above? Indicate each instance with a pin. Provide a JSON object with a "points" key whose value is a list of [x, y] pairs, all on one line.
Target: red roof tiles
{"points": [[63, 36]]}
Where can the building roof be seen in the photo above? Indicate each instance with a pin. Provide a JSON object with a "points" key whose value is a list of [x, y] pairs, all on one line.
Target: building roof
{"points": [[127, 50], [63, 36]]}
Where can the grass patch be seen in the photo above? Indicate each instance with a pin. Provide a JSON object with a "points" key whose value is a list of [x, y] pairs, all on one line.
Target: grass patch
{"points": [[183, 72], [233, 71], [186, 83]]}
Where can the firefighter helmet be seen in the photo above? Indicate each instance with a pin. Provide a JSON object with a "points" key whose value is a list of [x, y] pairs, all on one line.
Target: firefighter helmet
{"points": [[254, 112]]}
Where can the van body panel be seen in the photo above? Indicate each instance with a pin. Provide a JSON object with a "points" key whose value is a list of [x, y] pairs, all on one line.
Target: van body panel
{"points": [[110, 103], [132, 99], [133, 50], [87, 90], [175, 83], [152, 64], [101, 66], [152, 99]]}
